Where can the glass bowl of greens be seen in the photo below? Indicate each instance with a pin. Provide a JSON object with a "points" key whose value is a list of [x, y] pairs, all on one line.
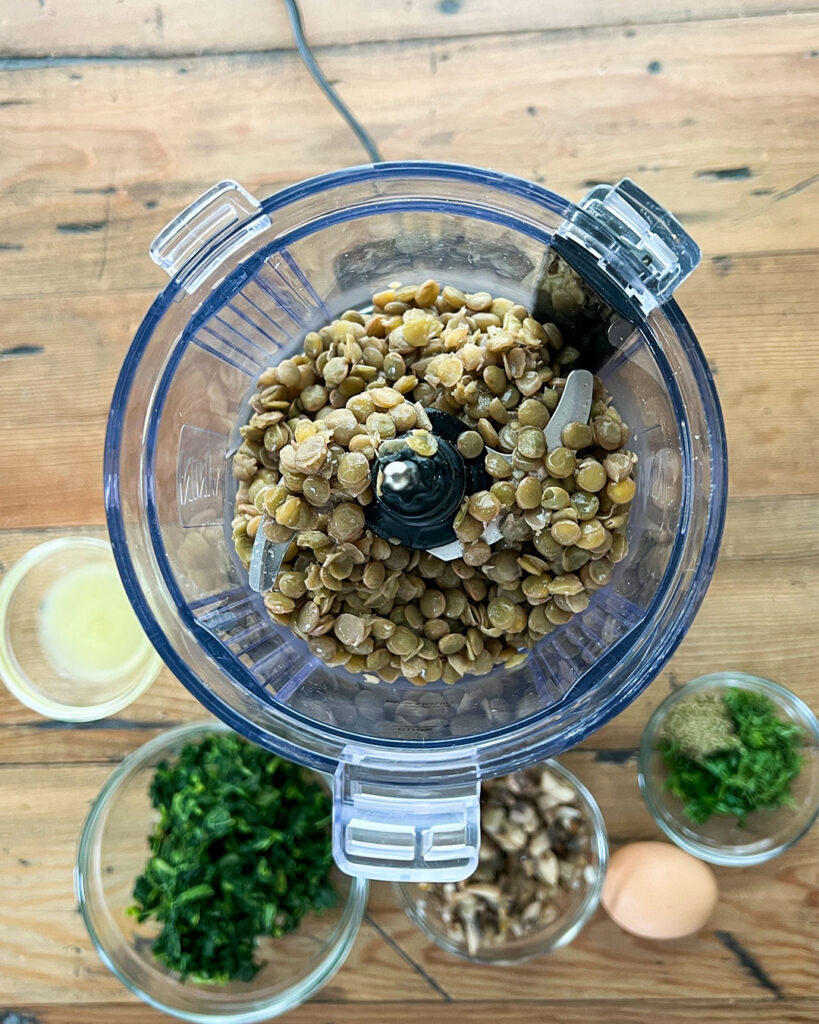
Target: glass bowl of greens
{"points": [[729, 768], [205, 878]]}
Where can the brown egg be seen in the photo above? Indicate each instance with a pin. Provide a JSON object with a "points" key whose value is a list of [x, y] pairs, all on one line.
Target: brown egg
{"points": [[658, 891]]}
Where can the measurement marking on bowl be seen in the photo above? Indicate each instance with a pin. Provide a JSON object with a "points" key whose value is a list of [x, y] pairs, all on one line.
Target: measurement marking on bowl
{"points": [[201, 465]]}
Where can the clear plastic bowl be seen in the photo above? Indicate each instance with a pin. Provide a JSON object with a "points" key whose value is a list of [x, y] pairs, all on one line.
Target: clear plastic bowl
{"points": [[767, 832], [34, 673], [112, 852], [249, 279], [579, 910]]}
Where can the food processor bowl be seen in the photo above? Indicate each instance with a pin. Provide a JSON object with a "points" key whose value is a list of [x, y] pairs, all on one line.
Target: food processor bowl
{"points": [[249, 279]]}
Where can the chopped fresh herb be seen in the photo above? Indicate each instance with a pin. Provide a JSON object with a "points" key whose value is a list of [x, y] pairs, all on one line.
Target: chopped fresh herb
{"points": [[241, 849], [759, 760]]}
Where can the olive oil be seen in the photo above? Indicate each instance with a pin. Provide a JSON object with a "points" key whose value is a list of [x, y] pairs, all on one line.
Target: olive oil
{"points": [[88, 629]]}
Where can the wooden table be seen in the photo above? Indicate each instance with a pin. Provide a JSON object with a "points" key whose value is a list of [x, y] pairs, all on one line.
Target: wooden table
{"points": [[108, 130]]}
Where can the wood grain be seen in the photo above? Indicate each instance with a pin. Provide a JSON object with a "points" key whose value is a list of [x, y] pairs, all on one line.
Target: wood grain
{"points": [[319, 1011], [711, 144], [709, 105], [145, 27], [41, 936], [719, 639], [754, 314]]}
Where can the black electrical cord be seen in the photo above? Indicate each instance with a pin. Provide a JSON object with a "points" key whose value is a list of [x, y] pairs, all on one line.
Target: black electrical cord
{"points": [[306, 54]]}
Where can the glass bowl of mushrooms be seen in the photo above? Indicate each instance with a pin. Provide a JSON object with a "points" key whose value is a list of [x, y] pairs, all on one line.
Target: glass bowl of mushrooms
{"points": [[543, 856]]}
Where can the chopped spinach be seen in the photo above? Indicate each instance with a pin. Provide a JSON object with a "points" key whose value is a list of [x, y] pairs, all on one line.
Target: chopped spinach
{"points": [[241, 849], [757, 772]]}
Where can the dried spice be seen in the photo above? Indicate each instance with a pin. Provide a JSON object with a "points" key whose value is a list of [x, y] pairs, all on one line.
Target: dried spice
{"points": [[730, 761], [700, 727]]}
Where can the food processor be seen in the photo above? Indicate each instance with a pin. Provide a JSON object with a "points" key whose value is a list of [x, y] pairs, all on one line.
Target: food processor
{"points": [[249, 279]]}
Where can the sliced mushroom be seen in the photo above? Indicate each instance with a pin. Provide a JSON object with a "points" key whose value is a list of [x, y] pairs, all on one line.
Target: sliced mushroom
{"points": [[490, 893], [520, 784], [524, 815], [493, 819], [534, 854], [512, 840], [547, 868], [551, 786], [548, 914], [467, 906], [539, 843], [531, 913]]}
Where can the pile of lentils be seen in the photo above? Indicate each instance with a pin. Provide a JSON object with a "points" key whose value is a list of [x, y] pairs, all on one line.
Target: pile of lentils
{"points": [[304, 472]]}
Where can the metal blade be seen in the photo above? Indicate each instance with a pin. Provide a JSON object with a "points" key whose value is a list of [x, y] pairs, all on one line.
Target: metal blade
{"points": [[574, 406], [265, 560], [455, 549]]}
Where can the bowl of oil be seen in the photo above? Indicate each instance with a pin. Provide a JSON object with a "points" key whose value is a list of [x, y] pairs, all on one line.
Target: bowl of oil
{"points": [[71, 647]]}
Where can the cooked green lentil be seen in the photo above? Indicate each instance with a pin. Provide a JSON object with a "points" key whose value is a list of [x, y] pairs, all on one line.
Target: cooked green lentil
{"points": [[304, 472], [470, 444]]}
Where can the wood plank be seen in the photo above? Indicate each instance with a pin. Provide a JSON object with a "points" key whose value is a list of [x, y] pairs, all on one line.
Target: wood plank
{"points": [[722, 638], [77, 347], [45, 952], [319, 1011], [768, 910], [753, 321], [144, 27], [746, 331], [715, 117], [157, 133], [800, 1011], [49, 959]]}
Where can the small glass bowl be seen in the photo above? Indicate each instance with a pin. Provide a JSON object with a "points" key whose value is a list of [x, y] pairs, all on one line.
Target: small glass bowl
{"points": [[768, 831], [30, 670], [112, 852], [560, 932]]}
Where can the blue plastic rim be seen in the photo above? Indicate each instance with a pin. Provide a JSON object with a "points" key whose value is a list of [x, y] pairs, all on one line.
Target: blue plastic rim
{"points": [[523, 735]]}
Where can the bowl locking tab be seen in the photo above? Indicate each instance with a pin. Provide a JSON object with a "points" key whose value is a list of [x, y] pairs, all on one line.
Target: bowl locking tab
{"points": [[197, 242], [631, 250], [406, 817]]}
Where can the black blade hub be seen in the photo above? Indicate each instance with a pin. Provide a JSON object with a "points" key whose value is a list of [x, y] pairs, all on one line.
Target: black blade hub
{"points": [[417, 496]]}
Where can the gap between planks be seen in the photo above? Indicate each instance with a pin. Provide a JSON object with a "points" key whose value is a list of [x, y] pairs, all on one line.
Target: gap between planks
{"points": [[189, 28], [514, 1011]]}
